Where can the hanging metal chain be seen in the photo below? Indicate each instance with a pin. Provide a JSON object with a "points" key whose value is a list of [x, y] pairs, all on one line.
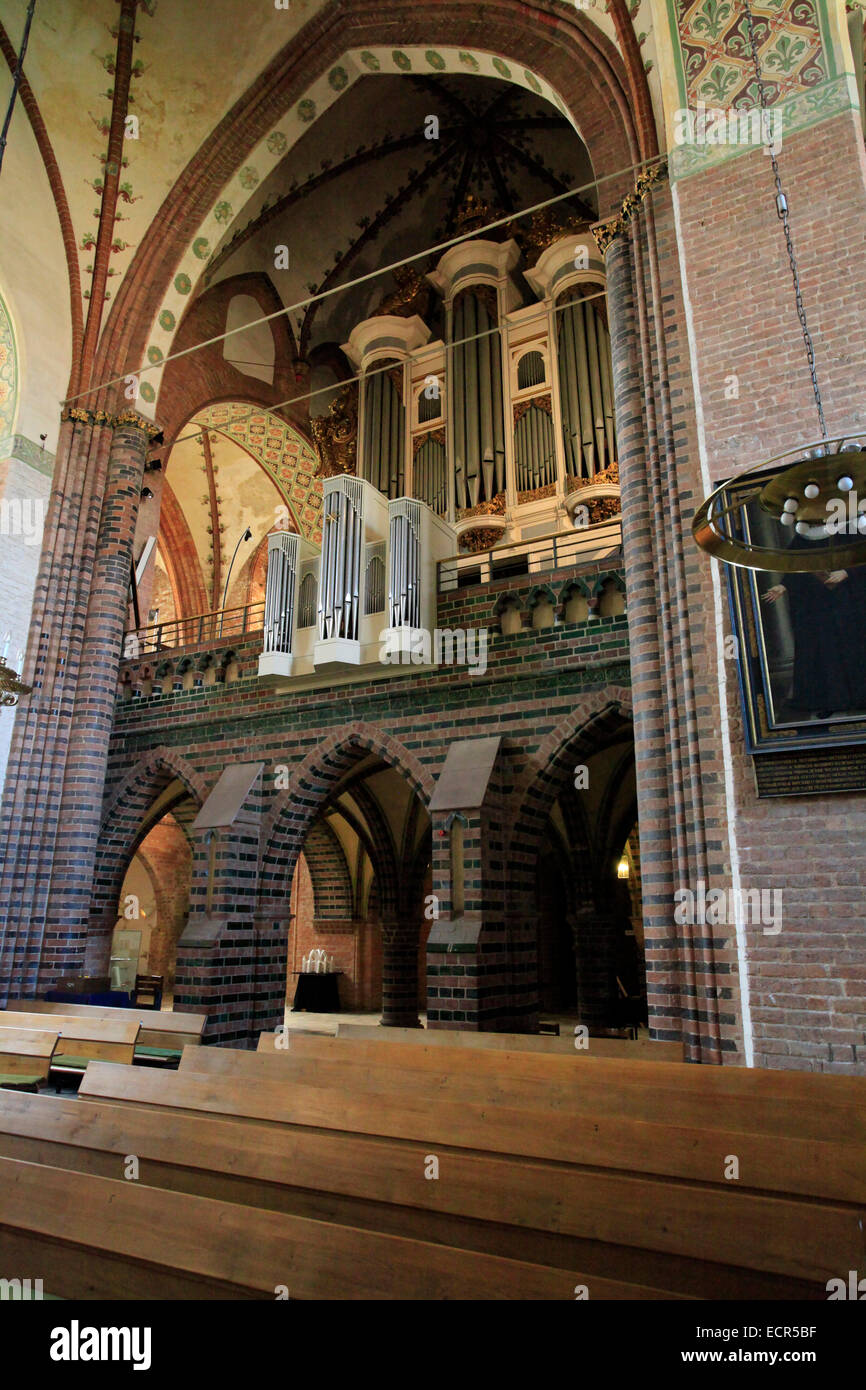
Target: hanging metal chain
{"points": [[782, 210]]}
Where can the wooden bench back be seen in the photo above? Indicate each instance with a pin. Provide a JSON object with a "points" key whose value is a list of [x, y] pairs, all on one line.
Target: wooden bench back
{"points": [[159, 1027], [104, 1039], [568, 1091], [26, 1051], [697, 1150], [578, 1071], [142, 1243], [517, 1042], [380, 1183]]}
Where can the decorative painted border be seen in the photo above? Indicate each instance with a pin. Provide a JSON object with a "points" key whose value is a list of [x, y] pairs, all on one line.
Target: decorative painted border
{"points": [[8, 371], [23, 450], [799, 112], [827, 51]]}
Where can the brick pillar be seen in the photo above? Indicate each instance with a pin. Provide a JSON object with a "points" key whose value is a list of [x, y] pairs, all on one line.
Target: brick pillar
{"points": [[400, 976], [93, 714], [481, 964], [53, 794]]}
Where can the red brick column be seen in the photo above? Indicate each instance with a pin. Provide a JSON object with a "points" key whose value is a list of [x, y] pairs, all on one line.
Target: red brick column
{"points": [[52, 805], [400, 975]]}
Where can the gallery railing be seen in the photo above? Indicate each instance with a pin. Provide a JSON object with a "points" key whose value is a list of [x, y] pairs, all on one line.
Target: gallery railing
{"points": [[224, 625], [559, 550]]}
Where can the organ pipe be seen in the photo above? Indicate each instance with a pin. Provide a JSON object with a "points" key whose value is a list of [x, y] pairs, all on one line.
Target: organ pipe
{"points": [[431, 481], [586, 390], [339, 590], [384, 433], [479, 427], [280, 592], [534, 450], [404, 592]]}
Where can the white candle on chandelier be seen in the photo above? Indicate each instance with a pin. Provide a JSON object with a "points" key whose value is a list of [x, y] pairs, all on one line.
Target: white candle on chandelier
{"points": [[6, 640]]}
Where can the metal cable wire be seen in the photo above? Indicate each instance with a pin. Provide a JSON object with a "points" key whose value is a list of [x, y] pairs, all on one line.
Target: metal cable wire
{"points": [[782, 210]]}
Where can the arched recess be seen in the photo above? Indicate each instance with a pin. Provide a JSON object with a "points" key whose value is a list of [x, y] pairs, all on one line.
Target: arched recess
{"points": [[157, 784], [367, 780], [601, 88], [310, 784], [549, 824]]}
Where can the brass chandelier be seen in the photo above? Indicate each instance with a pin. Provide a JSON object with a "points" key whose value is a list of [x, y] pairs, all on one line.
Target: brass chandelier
{"points": [[820, 493], [10, 685]]}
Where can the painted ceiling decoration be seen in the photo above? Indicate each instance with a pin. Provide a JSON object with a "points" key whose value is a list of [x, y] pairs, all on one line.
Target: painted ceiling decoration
{"points": [[718, 61], [227, 211], [283, 453], [714, 66]]}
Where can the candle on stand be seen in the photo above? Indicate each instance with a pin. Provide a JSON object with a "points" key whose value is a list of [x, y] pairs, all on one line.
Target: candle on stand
{"points": [[6, 640]]}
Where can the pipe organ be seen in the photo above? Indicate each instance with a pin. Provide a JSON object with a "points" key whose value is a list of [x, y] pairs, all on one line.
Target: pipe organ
{"points": [[403, 589], [417, 540], [585, 388], [383, 452], [492, 434], [292, 563], [354, 514], [479, 427]]}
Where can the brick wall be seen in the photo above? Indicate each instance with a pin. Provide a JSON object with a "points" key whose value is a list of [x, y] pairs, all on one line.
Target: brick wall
{"points": [[808, 982]]}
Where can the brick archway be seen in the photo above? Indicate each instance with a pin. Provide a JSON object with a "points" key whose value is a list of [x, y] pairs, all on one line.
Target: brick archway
{"points": [[608, 89], [124, 824], [599, 719], [311, 783]]}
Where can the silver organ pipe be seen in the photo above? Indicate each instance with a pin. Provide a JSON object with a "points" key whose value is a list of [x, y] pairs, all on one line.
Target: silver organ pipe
{"points": [[534, 450], [607, 388], [586, 390], [590, 319], [340, 585], [457, 396], [404, 576], [470, 402], [384, 432], [431, 482], [485, 401], [479, 427], [280, 591]]}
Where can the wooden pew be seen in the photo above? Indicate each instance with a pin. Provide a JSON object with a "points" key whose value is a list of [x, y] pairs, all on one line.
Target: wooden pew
{"points": [[801, 1103], [604, 1089], [25, 1056], [161, 1030], [80, 1039], [93, 1237], [637, 1050], [707, 1241], [687, 1147]]}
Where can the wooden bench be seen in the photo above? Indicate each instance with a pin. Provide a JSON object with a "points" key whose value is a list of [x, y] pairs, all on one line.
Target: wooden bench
{"points": [[688, 1146], [605, 1088], [693, 1239], [25, 1056], [79, 1039], [635, 1050], [163, 1033], [722, 1096], [95, 1237]]}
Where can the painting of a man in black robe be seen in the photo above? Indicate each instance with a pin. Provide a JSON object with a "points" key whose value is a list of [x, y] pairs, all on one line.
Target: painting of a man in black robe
{"points": [[801, 635], [827, 620]]}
